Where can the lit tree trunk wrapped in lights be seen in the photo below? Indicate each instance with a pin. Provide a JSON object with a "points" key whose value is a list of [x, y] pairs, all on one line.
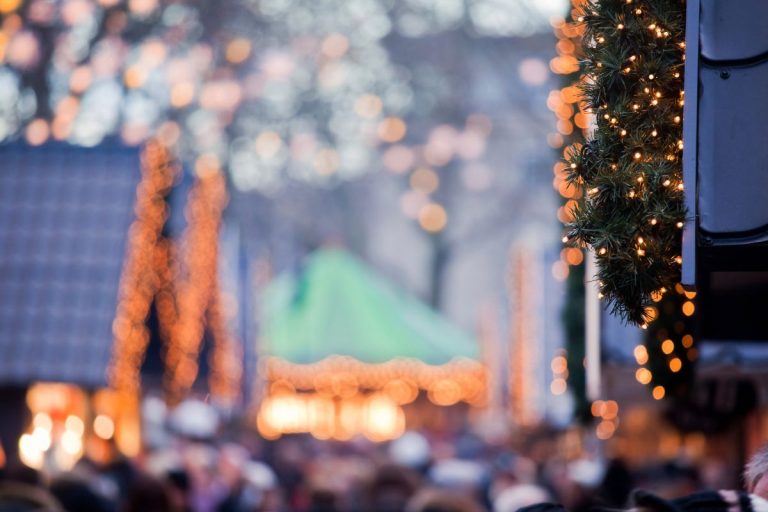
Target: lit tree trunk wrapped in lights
{"points": [[632, 213]]}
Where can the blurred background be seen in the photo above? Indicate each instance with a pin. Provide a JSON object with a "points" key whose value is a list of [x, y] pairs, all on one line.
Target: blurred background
{"points": [[306, 255]]}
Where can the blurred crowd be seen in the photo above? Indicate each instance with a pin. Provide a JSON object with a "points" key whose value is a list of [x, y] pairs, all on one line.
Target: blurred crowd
{"points": [[418, 472]]}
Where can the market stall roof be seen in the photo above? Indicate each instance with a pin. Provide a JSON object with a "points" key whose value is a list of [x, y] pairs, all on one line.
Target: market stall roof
{"points": [[339, 307], [64, 216]]}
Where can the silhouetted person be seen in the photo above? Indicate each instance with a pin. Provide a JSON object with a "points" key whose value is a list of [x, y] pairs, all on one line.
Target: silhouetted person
{"points": [[76, 495], [148, 494]]}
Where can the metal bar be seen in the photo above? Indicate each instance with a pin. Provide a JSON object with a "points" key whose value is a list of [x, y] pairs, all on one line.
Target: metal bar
{"points": [[592, 334], [690, 142]]}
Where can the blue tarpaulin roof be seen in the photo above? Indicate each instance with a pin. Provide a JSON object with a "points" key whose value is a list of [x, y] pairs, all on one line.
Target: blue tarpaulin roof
{"points": [[64, 217]]}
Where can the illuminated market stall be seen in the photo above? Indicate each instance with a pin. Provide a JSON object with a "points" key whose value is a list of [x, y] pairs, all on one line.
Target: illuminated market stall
{"points": [[91, 259], [344, 351]]}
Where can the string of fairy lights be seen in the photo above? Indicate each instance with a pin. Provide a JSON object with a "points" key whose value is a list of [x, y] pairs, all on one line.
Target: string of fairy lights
{"points": [[142, 275], [628, 101], [181, 279], [630, 166], [196, 276]]}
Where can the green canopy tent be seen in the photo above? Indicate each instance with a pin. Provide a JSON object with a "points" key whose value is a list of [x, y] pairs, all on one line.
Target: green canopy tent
{"points": [[337, 306], [338, 318]]}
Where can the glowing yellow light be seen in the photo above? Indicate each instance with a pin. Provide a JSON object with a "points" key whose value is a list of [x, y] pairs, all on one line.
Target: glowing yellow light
{"points": [[675, 364], [30, 453], [558, 386], [643, 375], [42, 420], [654, 222], [75, 425], [641, 252], [654, 133], [610, 409], [688, 308], [134, 76], [605, 430], [573, 256], [8, 6], [641, 354], [679, 224], [602, 251], [651, 76], [433, 217], [668, 346], [658, 392], [444, 392], [637, 155], [623, 133], [182, 94], [392, 129], [620, 26], [42, 438], [687, 341], [383, 419], [104, 427], [559, 364], [238, 50], [71, 443], [401, 391]]}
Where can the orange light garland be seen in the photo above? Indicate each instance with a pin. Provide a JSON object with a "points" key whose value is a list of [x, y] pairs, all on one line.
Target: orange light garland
{"points": [[142, 271], [525, 399], [183, 282], [447, 384], [196, 277]]}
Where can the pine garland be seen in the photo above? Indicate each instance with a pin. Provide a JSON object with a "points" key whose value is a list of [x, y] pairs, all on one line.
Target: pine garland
{"points": [[631, 169]]}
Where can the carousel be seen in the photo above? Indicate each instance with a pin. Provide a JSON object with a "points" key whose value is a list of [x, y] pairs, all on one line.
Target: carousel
{"points": [[346, 353]]}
